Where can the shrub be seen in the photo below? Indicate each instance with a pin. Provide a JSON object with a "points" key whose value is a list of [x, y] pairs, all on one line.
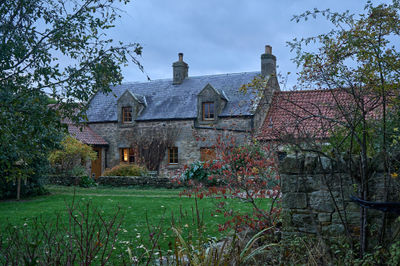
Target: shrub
{"points": [[87, 181], [79, 170], [126, 170], [88, 238], [245, 172], [72, 154]]}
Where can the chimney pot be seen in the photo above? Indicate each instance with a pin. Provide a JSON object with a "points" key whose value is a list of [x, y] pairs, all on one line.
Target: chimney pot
{"points": [[180, 70], [268, 49], [268, 62]]}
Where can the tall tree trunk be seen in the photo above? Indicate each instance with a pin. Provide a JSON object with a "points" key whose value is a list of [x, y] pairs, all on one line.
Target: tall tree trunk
{"points": [[19, 187], [364, 189]]}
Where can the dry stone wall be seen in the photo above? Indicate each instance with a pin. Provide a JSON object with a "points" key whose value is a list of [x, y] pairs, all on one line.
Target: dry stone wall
{"points": [[114, 181], [316, 197]]}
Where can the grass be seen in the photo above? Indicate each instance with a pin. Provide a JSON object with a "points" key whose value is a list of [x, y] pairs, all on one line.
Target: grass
{"points": [[158, 204]]}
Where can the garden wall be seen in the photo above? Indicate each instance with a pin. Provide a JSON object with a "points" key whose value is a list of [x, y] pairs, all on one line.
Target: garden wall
{"points": [[124, 181], [316, 197], [115, 181], [61, 180]]}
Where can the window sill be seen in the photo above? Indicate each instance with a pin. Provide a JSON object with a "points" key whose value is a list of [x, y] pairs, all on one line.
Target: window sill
{"points": [[130, 124], [173, 166]]}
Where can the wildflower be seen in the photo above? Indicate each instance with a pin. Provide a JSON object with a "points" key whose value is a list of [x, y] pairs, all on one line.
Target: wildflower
{"points": [[394, 175]]}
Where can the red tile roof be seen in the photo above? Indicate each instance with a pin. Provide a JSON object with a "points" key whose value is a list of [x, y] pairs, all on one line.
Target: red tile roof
{"points": [[86, 135], [82, 133], [304, 114]]}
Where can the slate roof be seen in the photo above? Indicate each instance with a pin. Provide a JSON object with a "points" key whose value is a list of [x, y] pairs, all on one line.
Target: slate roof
{"points": [[166, 101], [302, 114]]}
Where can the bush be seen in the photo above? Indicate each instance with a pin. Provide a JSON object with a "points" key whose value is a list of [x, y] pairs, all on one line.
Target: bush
{"points": [[73, 154], [79, 171], [31, 182], [126, 170], [86, 182], [88, 238], [201, 172]]}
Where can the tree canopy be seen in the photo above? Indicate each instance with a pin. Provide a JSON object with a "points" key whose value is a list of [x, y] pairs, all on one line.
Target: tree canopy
{"points": [[57, 49], [359, 62]]}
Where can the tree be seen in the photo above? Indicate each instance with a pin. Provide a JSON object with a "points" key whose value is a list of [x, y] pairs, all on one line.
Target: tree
{"points": [[151, 144], [72, 154], [359, 62], [244, 172], [52, 47]]}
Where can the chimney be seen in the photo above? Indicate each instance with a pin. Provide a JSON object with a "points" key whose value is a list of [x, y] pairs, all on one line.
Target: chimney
{"points": [[268, 62], [180, 70]]}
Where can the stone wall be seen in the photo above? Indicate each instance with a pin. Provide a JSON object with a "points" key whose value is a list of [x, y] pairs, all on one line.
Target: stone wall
{"points": [[114, 181], [191, 138], [125, 181], [316, 199], [60, 180]]}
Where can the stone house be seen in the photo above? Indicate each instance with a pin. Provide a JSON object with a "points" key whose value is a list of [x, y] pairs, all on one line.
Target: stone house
{"points": [[189, 111], [87, 136]]}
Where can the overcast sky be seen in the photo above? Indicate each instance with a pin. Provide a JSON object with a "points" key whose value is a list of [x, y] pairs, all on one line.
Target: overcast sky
{"points": [[218, 36]]}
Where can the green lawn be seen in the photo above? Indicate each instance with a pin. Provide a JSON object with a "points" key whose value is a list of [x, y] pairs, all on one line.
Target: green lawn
{"points": [[158, 204]]}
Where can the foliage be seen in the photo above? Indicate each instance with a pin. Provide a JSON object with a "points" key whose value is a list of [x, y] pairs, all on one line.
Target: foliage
{"points": [[88, 238], [151, 143], [232, 251], [244, 172], [87, 181], [72, 155], [197, 171], [125, 170], [58, 48], [29, 130], [84, 179], [359, 61]]}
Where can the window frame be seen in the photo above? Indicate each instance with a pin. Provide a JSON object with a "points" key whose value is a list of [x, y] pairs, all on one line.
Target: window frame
{"points": [[207, 111], [173, 155], [127, 114], [130, 155], [205, 150]]}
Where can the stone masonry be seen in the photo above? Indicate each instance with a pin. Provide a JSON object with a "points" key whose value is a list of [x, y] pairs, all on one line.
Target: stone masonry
{"points": [[316, 199], [190, 140]]}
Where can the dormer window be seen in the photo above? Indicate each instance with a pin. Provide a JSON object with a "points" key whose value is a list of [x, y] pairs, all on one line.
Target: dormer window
{"points": [[208, 111], [126, 114]]}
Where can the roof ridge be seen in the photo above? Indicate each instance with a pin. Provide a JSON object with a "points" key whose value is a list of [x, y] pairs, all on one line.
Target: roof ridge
{"points": [[190, 77], [304, 91]]}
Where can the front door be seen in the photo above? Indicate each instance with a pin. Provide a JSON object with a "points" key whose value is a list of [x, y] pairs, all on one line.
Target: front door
{"points": [[96, 164]]}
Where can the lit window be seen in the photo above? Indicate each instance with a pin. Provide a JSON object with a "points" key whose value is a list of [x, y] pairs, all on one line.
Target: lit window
{"points": [[126, 114], [173, 155], [208, 111], [207, 154], [127, 155]]}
